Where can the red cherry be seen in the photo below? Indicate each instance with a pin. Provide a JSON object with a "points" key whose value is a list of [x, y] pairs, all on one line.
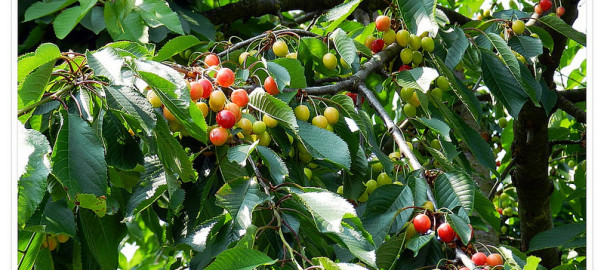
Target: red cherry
{"points": [[225, 77], [211, 60], [498, 163], [545, 4], [196, 91], [471, 229], [479, 258], [207, 88], [377, 45], [538, 9], [219, 136], [353, 96], [404, 67], [422, 223], [500, 211], [446, 233], [560, 11], [239, 97], [271, 86], [495, 261], [226, 119], [382, 23]]}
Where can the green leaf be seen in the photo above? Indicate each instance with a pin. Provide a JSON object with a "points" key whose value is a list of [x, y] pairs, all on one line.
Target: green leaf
{"points": [[33, 86], [132, 49], [437, 126], [506, 53], [344, 46], [419, 16], [78, 158], [173, 92], [69, 18], [461, 227], [279, 74], [102, 236], [239, 153], [123, 24], [456, 44], [151, 187], [454, 189], [358, 242], [502, 84], [339, 13], [200, 238], [532, 263], [29, 258], [347, 109], [44, 260], [94, 20], [157, 12], [171, 154], [387, 253], [382, 213], [89, 201], [45, 53], [107, 63], [240, 197], [229, 170], [468, 98], [231, 259], [176, 45], [275, 164], [563, 28], [418, 78], [33, 169], [324, 145], [528, 47], [327, 209], [133, 106], [123, 152], [556, 236], [196, 22], [544, 36], [275, 108], [419, 241], [295, 70], [478, 146], [485, 208], [58, 218], [43, 8]]}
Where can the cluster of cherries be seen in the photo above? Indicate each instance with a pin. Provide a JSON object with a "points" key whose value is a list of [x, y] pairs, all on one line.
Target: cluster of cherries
{"points": [[545, 5], [422, 224], [228, 114]]}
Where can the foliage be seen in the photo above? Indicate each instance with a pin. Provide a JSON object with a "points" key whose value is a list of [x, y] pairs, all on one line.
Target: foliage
{"points": [[102, 168]]}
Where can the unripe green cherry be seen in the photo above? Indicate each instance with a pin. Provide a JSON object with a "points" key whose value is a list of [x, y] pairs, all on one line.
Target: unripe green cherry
{"points": [[389, 36], [395, 155], [406, 56], [384, 179], [403, 37], [332, 115], [308, 173], [443, 83], [406, 93], [265, 139], [428, 44], [417, 57], [364, 197], [503, 122], [243, 57], [409, 110], [371, 186], [435, 144], [320, 121], [259, 127], [415, 43], [280, 48], [518, 27], [377, 167], [330, 61], [437, 93], [340, 190], [302, 113], [293, 55], [269, 121]]}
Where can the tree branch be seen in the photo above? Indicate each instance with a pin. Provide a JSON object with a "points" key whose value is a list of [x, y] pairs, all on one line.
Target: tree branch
{"points": [[574, 95], [570, 108], [249, 41]]}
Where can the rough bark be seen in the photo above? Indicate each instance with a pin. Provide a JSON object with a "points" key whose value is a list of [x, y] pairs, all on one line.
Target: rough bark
{"points": [[531, 151]]}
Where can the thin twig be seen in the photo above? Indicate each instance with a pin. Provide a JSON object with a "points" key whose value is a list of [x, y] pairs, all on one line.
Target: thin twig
{"points": [[504, 174]]}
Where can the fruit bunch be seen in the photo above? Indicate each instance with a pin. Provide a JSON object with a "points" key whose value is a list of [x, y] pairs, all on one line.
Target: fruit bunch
{"points": [[51, 241]]}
